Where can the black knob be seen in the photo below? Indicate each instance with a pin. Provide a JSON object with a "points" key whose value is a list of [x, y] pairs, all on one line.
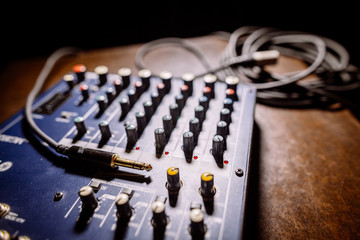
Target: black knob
{"points": [[232, 82], [149, 110], [173, 179], [124, 211], [132, 97], [188, 145], [200, 114], [125, 106], [218, 148], [166, 79], [180, 101], [230, 93], [160, 140], [131, 133], [104, 130], [118, 86], [84, 91], [102, 72], [125, 74], [207, 92], [161, 90], [175, 113], [207, 188], [88, 199], [145, 75], [101, 103], [210, 80], [194, 127], [184, 89], [80, 125], [167, 125], [70, 80], [228, 103], [159, 219], [79, 71], [110, 95], [204, 101], [139, 87], [140, 121], [188, 79], [197, 226], [222, 130], [155, 99], [225, 115]]}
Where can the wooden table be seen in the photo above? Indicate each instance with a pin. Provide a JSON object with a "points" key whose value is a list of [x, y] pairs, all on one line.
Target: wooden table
{"points": [[305, 175]]}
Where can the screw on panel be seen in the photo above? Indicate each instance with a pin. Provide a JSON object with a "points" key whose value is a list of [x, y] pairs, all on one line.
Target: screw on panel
{"points": [[239, 172], [58, 196]]}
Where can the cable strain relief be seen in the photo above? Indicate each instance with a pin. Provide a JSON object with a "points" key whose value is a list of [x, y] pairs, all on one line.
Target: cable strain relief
{"points": [[62, 149]]}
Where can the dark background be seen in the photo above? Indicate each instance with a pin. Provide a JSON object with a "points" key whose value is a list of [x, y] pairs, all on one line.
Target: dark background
{"points": [[30, 31]]}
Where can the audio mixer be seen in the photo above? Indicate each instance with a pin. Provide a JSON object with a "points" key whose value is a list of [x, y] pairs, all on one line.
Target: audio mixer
{"points": [[177, 150]]}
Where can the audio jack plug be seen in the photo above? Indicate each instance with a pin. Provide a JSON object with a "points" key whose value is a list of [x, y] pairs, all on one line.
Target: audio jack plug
{"points": [[101, 157]]}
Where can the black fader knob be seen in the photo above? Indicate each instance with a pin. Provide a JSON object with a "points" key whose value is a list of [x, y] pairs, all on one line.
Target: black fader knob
{"points": [[197, 227], [155, 99], [173, 179], [79, 71], [218, 149], [149, 110], [180, 101], [166, 79], [101, 103], [139, 87], [102, 72], [145, 75], [160, 141], [194, 127], [132, 134], [200, 114], [118, 85], [110, 95], [167, 125], [141, 121], [122, 202], [188, 145], [84, 91], [184, 89], [80, 125], [125, 74], [225, 115], [104, 130], [161, 90], [232, 82], [159, 219], [228, 103], [175, 113], [222, 130], [188, 79], [207, 188], [210, 80], [132, 97], [207, 92], [70, 80], [230, 93], [125, 106], [88, 199], [204, 101]]}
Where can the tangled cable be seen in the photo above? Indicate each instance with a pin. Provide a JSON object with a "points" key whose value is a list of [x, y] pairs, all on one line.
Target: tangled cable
{"points": [[327, 59]]}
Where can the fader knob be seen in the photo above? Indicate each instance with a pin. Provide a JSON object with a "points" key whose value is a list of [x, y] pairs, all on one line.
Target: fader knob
{"points": [[167, 125], [88, 199], [125, 106], [166, 79], [102, 71], [225, 115], [207, 188], [222, 130], [161, 90], [204, 101], [194, 127], [188, 145], [149, 110], [228, 103], [160, 140], [84, 91], [145, 75], [218, 148], [200, 114], [210, 80], [131, 133], [125, 74], [132, 97], [101, 103], [79, 71], [175, 113], [139, 86], [188, 79], [207, 92], [173, 179], [69, 79], [180, 101], [124, 210], [141, 121], [155, 99], [80, 125], [232, 82], [184, 89], [104, 130], [197, 226], [230, 93], [118, 85], [110, 95], [159, 219]]}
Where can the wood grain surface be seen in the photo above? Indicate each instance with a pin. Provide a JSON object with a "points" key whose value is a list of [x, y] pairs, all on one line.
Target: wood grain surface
{"points": [[305, 175]]}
